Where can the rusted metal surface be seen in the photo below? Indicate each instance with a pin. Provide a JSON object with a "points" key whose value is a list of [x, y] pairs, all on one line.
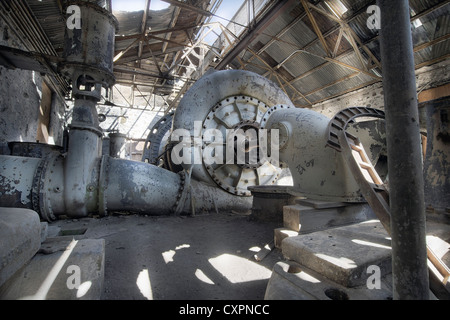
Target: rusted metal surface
{"points": [[437, 160], [157, 140], [32, 149], [206, 102], [117, 145], [131, 186], [16, 181], [345, 117], [406, 183], [203, 198], [89, 50], [318, 172]]}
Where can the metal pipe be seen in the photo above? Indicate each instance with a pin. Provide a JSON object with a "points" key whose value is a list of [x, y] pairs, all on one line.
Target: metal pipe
{"points": [[16, 181], [115, 185], [409, 254], [82, 181], [118, 145], [318, 172], [81, 165], [138, 187]]}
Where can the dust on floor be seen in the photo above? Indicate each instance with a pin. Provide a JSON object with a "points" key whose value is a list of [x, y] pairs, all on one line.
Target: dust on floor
{"points": [[208, 257]]}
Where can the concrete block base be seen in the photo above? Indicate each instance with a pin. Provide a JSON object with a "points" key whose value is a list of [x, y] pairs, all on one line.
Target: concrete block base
{"points": [[305, 219], [68, 270], [282, 233], [291, 281], [343, 254], [20, 238], [268, 202]]}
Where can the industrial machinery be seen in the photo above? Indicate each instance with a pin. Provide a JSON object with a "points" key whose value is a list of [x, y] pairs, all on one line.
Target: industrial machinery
{"points": [[83, 181]]}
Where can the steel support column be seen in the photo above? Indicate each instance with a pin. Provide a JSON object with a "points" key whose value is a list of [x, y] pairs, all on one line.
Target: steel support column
{"points": [[408, 224]]}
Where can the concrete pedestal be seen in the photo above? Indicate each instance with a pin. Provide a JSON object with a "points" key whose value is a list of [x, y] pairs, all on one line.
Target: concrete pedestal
{"points": [[20, 238]]}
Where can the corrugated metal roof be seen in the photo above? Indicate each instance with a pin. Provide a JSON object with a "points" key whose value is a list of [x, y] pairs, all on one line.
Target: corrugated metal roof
{"points": [[307, 74], [50, 17], [329, 79]]}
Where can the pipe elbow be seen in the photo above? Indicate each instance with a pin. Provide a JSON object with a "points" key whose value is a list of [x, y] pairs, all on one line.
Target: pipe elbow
{"points": [[318, 172]]}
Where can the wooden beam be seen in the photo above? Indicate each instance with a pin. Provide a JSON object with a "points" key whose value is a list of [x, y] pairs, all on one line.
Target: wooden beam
{"points": [[172, 24], [326, 14], [156, 32], [273, 13], [165, 40], [282, 32], [281, 76], [348, 91], [430, 62], [189, 7], [316, 27], [142, 84], [350, 76], [338, 43], [435, 93], [147, 55], [349, 36], [367, 73], [142, 72], [432, 42], [121, 53], [430, 10], [143, 29], [145, 16], [159, 39]]}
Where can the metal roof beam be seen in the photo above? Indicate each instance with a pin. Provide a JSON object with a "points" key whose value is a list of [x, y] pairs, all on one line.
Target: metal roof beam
{"points": [[189, 7], [316, 28], [156, 32], [272, 14]]}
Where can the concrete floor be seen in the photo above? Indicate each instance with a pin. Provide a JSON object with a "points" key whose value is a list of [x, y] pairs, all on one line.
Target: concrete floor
{"points": [[208, 257]]}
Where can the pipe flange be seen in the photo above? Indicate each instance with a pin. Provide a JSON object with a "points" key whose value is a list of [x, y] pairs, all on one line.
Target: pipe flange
{"points": [[82, 126], [154, 143], [37, 184], [103, 187], [239, 112], [183, 190], [39, 195], [270, 111]]}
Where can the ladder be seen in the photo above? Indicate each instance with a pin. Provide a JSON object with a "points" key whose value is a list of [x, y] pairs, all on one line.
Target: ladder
{"points": [[372, 187]]}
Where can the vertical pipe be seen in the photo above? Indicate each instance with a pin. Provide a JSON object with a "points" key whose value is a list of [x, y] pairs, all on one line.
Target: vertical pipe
{"points": [[409, 255], [81, 164]]}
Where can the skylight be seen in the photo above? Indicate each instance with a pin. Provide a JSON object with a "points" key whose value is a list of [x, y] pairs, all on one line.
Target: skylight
{"points": [[416, 22], [128, 5], [225, 12], [337, 7], [157, 5], [138, 5]]}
